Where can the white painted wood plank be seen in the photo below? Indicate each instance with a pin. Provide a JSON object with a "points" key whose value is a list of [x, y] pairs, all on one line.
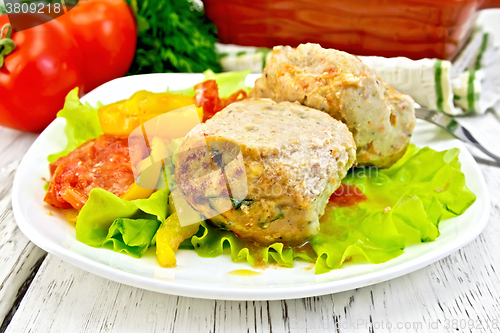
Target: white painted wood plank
{"points": [[18, 256], [13, 145], [66, 299], [461, 291]]}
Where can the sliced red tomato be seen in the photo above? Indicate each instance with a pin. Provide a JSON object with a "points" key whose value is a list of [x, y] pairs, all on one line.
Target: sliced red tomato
{"points": [[105, 31], [103, 163], [43, 67]]}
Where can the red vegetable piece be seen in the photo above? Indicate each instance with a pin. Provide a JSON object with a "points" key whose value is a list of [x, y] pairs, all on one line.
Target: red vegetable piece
{"points": [[347, 195], [207, 96]]}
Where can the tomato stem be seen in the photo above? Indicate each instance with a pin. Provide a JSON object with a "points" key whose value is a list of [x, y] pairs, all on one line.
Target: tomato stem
{"points": [[7, 45]]}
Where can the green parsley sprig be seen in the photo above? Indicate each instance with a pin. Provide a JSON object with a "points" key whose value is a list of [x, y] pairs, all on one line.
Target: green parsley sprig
{"points": [[173, 36]]}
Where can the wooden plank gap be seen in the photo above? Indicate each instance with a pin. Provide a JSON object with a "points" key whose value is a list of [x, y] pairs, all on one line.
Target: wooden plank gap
{"points": [[20, 294]]}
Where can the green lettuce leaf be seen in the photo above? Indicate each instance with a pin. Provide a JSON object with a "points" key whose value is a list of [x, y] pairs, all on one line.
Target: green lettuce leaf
{"points": [[228, 82], [129, 226], [404, 205], [212, 243], [82, 123], [131, 236]]}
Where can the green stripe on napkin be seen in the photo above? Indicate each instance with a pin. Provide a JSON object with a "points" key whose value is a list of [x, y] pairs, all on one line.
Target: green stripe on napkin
{"points": [[439, 88]]}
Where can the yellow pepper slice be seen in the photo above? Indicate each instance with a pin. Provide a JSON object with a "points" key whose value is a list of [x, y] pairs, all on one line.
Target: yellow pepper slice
{"points": [[137, 192], [171, 207], [168, 238], [172, 125], [122, 117], [149, 172]]}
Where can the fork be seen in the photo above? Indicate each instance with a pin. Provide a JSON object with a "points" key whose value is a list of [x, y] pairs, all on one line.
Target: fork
{"points": [[451, 125]]}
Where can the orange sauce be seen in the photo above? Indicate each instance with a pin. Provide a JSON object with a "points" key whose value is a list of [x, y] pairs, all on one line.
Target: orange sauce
{"points": [[347, 195]]}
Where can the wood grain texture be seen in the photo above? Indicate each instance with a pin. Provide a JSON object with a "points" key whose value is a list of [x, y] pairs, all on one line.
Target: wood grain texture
{"points": [[18, 256]]}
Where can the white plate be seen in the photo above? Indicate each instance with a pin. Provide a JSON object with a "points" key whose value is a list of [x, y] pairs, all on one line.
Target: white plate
{"points": [[212, 278]]}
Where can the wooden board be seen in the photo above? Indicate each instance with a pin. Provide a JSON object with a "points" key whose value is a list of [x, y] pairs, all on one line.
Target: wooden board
{"points": [[19, 258]]}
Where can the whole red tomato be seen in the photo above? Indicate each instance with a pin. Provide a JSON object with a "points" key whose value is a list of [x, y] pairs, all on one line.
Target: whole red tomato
{"points": [[36, 76], [106, 33]]}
